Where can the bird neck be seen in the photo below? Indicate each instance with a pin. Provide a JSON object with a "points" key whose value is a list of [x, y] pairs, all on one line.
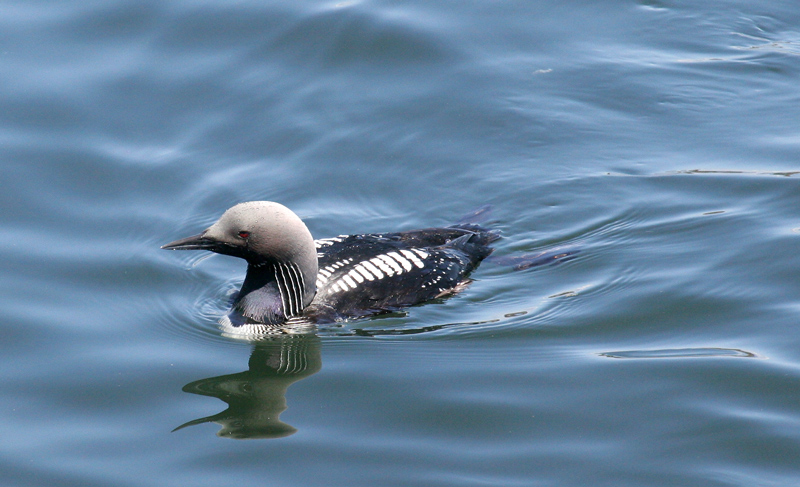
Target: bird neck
{"points": [[273, 292]]}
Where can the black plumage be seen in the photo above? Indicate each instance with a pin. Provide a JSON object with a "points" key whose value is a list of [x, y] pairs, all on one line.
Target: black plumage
{"points": [[448, 255]]}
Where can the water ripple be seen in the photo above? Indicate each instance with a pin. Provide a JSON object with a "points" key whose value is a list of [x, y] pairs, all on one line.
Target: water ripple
{"points": [[682, 353]]}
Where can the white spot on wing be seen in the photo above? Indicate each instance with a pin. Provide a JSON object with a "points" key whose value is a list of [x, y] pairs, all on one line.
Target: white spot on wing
{"points": [[355, 275], [413, 257], [379, 263], [394, 265], [373, 269], [402, 260], [349, 280], [363, 271], [325, 242], [421, 253]]}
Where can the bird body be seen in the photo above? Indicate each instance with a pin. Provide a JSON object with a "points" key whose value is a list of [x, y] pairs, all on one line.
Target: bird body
{"points": [[290, 276]]}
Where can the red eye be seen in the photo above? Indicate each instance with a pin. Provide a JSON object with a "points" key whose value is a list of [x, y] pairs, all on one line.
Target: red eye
{"points": [[244, 234]]}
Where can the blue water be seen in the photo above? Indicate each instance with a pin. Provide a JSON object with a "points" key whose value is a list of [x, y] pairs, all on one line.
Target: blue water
{"points": [[661, 138]]}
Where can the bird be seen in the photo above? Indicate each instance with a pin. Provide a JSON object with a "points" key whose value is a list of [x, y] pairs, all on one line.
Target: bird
{"points": [[293, 278]]}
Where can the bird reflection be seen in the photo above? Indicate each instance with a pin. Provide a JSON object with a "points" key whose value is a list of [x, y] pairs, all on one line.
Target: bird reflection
{"points": [[257, 397]]}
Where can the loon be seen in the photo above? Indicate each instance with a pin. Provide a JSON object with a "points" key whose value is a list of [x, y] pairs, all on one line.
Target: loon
{"points": [[291, 277]]}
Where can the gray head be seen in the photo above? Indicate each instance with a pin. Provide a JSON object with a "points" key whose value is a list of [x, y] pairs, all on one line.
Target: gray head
{"points": [[270, 237]]}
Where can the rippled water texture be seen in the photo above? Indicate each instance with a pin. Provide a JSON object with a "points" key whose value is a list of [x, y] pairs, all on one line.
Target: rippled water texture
{"points": [[657, 140]]}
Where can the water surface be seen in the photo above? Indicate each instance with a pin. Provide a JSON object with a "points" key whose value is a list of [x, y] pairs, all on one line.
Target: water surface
{"points": [[659, 138]]}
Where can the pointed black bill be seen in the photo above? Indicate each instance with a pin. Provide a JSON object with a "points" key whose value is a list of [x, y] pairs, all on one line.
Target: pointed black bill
{"points": [[208, 419], [195, 242]]}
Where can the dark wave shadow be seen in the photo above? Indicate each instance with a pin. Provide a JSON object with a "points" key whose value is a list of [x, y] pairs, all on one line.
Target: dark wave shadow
{"points": [[681, 353], [378, 332]]}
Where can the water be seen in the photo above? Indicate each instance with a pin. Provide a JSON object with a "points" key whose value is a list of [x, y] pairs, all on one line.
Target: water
{"points": [[658, 137]]}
